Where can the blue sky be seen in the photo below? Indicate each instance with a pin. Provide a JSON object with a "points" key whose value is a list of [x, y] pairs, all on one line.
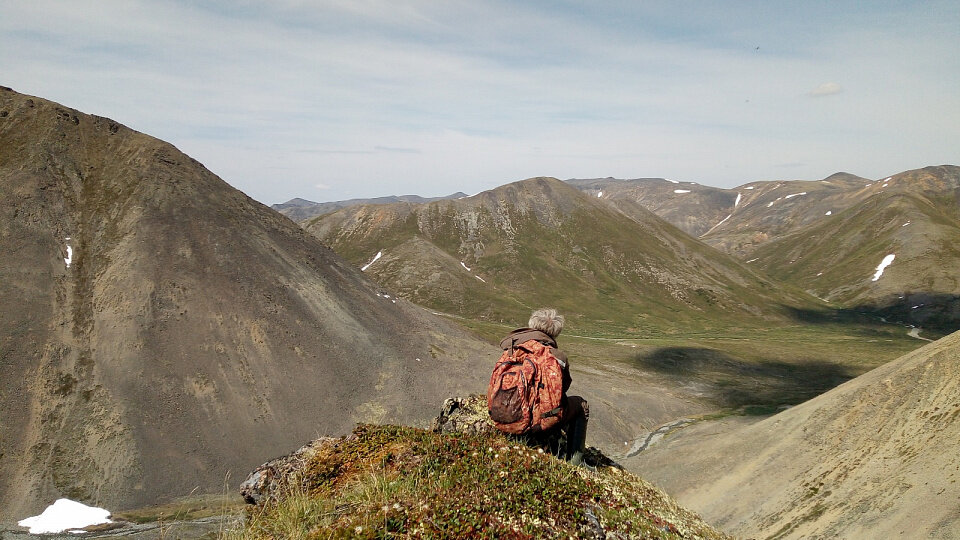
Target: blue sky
{"points": [[329, 100]]}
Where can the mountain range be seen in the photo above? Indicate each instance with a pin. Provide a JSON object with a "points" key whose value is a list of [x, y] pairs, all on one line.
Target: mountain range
{"points": [[162, 333], [829, 236], [301, 209], [499, 253]]}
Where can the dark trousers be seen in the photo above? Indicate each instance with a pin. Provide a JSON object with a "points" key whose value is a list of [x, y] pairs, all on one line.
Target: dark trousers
{"points": [[574, 421]]}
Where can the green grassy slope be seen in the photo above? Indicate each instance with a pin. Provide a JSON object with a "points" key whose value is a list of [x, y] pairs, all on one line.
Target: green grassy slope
{"points": [[836, 258], [542, 242]]}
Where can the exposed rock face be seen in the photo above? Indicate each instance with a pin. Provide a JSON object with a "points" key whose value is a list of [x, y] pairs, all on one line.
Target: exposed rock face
{"points": [[463, 415], [271, 478], [151, 316]]}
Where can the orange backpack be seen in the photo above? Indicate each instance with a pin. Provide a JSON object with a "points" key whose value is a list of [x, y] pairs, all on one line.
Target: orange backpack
{"points": [[526, 389]]}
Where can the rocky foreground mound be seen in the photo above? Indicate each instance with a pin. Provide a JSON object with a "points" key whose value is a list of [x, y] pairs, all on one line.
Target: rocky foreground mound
{"points": [[462, 479]]}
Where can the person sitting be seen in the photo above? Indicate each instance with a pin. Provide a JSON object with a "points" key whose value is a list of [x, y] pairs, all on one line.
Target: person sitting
{"points": [[544, 326]]}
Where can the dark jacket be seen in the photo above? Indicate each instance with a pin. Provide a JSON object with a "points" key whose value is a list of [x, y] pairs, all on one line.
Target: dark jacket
{"points": [[523, 335]]}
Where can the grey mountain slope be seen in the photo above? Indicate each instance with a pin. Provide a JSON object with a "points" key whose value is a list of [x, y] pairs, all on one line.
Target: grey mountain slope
{"points": [[691, 207], [877, 457], [195, 332], [302, 209]]}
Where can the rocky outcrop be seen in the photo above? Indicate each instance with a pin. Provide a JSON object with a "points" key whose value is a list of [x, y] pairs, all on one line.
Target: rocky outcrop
{"points": [[458, 415]]}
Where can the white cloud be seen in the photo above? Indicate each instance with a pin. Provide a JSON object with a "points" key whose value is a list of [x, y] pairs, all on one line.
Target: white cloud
{"points": [[826, 89], [373, 98]]}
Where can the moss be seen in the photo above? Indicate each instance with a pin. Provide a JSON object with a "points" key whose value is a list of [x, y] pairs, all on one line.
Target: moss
{"points": [[394, 481]]}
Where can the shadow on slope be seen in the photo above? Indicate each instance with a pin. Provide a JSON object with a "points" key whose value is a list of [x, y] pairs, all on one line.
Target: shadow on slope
{"points": [[933, 312], [733, 382]]}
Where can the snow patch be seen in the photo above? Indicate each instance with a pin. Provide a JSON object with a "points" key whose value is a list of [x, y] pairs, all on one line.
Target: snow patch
{"points": [[905, 224], [480, 278], [748, 187], [795, 195], [820, 274], [885, 185], [883, 265], [375, 258], [465, 267], [671, 181], [769, 204], [736, 203], [69, 258], [600, 194], [829, 212], [63, 515], [681, 191], [751, 260]]}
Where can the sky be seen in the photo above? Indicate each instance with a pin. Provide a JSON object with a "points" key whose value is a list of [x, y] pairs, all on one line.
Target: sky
{"points": [[340, 99]]}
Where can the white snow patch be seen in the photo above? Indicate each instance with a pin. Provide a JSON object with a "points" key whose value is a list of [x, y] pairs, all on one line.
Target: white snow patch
{"points": [[795, 195], [829, 212], [883, 265], [751, 260], [671, 181], [69, 258], [600, 194], [736, 203], [375, 258], [769, 204], [480, 278], [722, 220], [885, 185], [905, 224], [63, 515], [681, 191], [465, 267], [748, 187], [887, 179], [820, 274], [868, 185]]}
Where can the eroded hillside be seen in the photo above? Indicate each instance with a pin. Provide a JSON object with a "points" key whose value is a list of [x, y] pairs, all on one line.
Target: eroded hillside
{"points": [[162, 331]]}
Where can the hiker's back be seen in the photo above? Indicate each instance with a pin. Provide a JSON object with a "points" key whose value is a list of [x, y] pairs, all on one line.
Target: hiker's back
{"points": [[525, 394]]}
